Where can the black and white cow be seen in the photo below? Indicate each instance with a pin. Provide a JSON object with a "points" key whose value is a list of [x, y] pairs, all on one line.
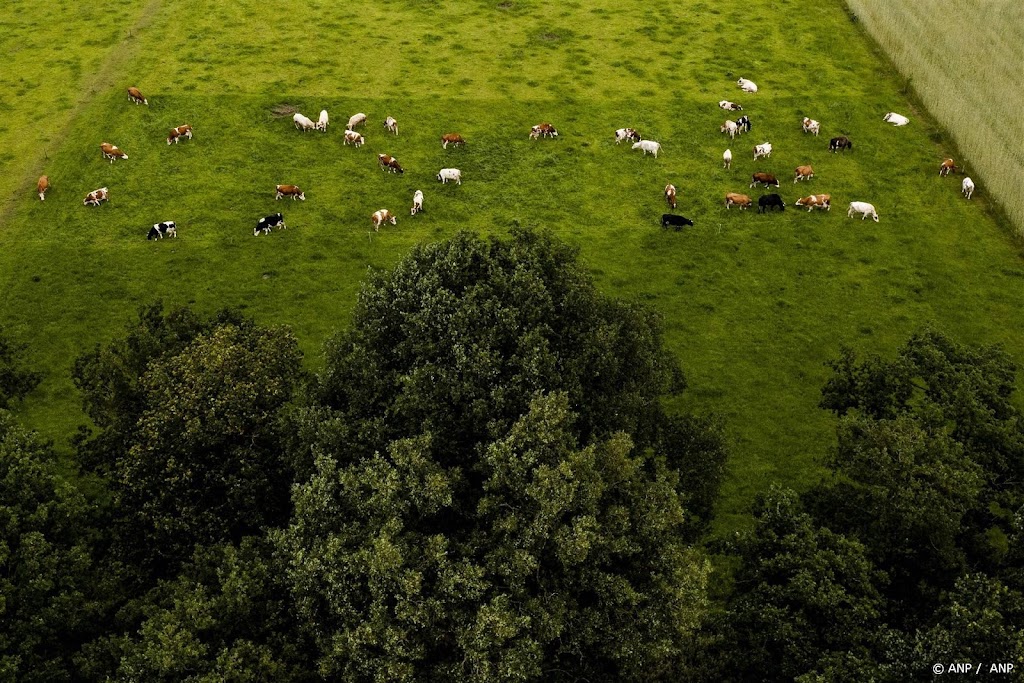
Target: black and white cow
{"points": [[743, 123], [162, 230], [274, 220], [677, 222], [769, 201]]}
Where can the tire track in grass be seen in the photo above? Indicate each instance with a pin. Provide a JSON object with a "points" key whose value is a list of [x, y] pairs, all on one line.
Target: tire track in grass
{"points": [[100, 81]]}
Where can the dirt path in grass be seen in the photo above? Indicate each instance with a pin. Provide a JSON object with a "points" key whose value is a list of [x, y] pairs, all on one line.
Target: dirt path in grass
{"points": [[91, 85]]}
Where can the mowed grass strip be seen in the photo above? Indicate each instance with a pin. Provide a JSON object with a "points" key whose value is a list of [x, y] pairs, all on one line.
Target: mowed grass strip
{"points": [[754, 304]]}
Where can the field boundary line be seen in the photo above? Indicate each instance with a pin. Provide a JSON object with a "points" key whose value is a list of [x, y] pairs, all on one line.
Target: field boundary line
{"points": [[102, 79]]}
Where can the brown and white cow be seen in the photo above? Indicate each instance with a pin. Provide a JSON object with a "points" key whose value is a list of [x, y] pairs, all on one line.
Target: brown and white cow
{"points": [[670, 195], [947, 167], [630, 134], [543, 130], [451, 139], [816, 201], [803, 173], [381, 217], [97, 196], [111, 152], [353, 137], [735, 199], [766, 179], [135, 96], [42, 186], [391, 125], [389, 163], [292, 191], [356, 120], [811, 126], [179, 132]]}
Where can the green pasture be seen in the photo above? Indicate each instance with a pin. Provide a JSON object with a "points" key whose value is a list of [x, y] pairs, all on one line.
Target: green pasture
{"points": [[753, 304]]}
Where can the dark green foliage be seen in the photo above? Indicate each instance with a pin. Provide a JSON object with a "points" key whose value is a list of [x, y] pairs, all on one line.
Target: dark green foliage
{"points": [[695, 447], [45, 563], [569, 566], [16, 381]]}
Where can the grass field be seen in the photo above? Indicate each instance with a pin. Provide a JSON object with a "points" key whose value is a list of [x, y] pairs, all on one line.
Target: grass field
{"points": [[966, 77], [753, 304]]}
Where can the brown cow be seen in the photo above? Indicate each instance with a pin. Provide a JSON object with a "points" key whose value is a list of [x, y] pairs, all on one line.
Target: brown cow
{"points": [[42, 186], [97, 196], [816, 201], [111, 152], [803, 173], [135, 96], [382, 216], [766, 179], [179, 132], [670, 195], [543, 130], [389, 163], [734, 199], [451, 139], [947, 167], [292, 191]]}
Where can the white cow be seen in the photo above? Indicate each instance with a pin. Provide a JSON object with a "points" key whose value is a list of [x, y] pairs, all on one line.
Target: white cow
{"points": [[864, 209], [446, 174], [727, 158], [729, 106], [747, 86], [322, 123], [730, 128], [648, 146], [967, 188], [811, 126], [896, 119], [762, 150], [353, 137], [303, 123], [356, 120], [391, 125], [417, 202]]}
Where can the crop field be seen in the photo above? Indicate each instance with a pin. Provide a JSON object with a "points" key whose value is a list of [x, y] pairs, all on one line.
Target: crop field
{"points": [[753, 304]]}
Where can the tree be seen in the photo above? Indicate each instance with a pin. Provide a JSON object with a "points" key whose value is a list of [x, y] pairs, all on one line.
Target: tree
{"points": [[45, 562], [570, 565], [16, 380]]}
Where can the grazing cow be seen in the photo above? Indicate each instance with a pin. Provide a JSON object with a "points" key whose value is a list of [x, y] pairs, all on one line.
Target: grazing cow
{"points": [[766, 179], [417, 202], [161, 230], [356, 120], [730, 128], [179, 132], [803, 173], [303, 123], [676, 222], [864, 209], [381, 217], [97, 196], [323, 121], [390, 164], [734, 199], [648, 146], [769, 201], [274, 220], [762, 150], [626, 134], [111, 152], [841, 142], [811, 126], [42, 186], [729, 106], [135, 96], [543, 130], [743, 124], [447, 174], [816, 201], [670, 195], [947, 167], [353, 137], [747, 86], [727, 158], [391, 125], [967, 188], [292, 191], [451, 139], [896, 119]]}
